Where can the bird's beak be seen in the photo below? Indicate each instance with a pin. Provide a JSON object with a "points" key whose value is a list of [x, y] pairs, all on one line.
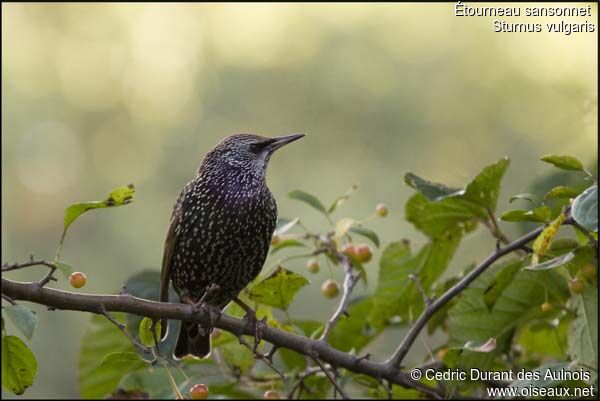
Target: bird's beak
{"points": [[280, 141]]}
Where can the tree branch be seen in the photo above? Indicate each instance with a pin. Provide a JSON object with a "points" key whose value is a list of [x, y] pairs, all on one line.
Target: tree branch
{"points": [[350, 281], [100, 304], [396, 359]]}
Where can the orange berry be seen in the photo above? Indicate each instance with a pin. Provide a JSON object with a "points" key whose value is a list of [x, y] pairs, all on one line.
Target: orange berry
{"points": [[364, 253], [77, 279], [330, 288], [381, 210], [199, 392], [350, 250]]}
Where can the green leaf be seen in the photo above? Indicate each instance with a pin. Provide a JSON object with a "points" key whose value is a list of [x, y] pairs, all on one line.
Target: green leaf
{"points": [[585, 208], [284, 225], [64, 268], [292, 359], [539, 214], [24, 318], [563, 245], [367, 233], [533, 198], [431, 190], [118, 197], [485, 188], [145, 332], [562, 192], [342, 226], [438, 219], [308, 199], [354, 331], [237, 356], [552, 263], [583, 334], [19, 366], [544, 338], [471, 320], [286, 243], [563, 162], [101, 338], [341, 199], [396, 294], [504, 277], [279, 289], [123, 362]]}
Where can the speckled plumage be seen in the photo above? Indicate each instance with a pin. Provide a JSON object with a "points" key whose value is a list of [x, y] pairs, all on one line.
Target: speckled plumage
{"points": [[220, 230]]}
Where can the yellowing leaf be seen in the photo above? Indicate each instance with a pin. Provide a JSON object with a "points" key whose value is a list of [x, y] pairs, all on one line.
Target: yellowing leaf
{"points": [[540, 245], [342, 226], [118, 197]]}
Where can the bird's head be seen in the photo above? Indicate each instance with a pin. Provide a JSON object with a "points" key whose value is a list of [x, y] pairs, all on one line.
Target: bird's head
{"points": [[244, 154]]}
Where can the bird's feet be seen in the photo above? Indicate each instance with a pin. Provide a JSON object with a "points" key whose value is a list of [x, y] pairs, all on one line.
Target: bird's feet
{"points": [[253, 323], [212, 313]]}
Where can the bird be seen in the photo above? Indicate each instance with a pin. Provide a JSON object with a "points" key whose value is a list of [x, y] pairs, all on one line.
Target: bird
{"points": [[220, 231]]}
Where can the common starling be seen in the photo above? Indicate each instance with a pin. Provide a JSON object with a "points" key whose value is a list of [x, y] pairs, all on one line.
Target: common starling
{"points": [[220, 231]]}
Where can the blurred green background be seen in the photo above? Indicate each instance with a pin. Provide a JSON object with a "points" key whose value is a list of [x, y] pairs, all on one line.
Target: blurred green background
{"points": [[96, 96]]}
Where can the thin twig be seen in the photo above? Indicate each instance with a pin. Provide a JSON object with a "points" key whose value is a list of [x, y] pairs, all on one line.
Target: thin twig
{"points": [[31, 262], [426, 300], [8, 299], [572, 222], [261, 356], [330, 377], [350, 281], [123, 328]]}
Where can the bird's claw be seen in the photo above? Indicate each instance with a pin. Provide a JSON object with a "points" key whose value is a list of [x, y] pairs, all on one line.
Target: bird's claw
{"points": [[254, 325]]}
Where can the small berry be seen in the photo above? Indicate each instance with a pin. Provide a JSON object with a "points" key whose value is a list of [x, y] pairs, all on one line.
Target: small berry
{"points": [[577, 286], [77, 279], [312, 265], [350, 250], [199, 392], [271, 395], [364, 253], [275, 240], [381, 210], [589, 271], [546, 307], [330, 288]]}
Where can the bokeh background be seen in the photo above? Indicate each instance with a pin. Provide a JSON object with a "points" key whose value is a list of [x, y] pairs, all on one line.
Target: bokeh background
{"points": [[96, 96]]}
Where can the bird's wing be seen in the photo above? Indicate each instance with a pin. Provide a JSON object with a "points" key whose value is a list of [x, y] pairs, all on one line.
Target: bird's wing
{"points": [[165, 274]]}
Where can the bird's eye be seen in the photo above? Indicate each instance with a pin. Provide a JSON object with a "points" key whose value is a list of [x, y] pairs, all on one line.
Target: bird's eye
{"points": [[256, 147]]}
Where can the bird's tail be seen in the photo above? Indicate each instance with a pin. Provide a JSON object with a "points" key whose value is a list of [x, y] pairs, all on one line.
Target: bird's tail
{"points": [[192, 340]]}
